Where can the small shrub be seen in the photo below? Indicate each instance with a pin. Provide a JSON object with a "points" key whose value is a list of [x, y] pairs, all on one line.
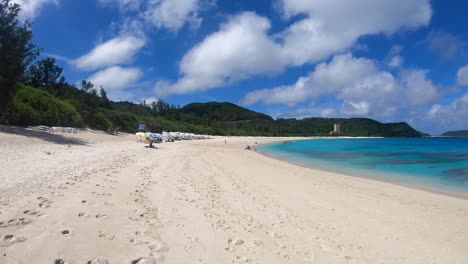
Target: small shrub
{"points": [[32, 106]]}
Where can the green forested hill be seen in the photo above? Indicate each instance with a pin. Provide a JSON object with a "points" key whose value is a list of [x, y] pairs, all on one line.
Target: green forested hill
{"points": [[66, 105], [230, 117], [226, 111], [350, 127], [458, 133]]}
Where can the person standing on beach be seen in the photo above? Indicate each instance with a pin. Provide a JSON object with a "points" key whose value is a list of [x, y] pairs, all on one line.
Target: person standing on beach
{"points": [[224, 142]]}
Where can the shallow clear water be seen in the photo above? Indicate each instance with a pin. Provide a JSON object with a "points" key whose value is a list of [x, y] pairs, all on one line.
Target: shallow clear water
{"points": [[436, 163]]}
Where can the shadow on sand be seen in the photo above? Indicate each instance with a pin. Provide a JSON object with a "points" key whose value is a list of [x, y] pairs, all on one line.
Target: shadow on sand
{"points": [[44, 135]]}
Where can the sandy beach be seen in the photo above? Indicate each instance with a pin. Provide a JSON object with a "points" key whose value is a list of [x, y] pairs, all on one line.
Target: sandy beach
{"points": [[90, 197]]}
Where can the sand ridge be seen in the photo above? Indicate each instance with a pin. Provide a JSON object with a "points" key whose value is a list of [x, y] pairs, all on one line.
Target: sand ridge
{"points": [[95, 198]]}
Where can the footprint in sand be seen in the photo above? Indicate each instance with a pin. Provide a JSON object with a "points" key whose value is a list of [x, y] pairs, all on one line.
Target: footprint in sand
{"points": [[57, 194], [235, 242], [32, 212], [106, 235], [143, 261], [44, 202], [143, 215], [8, 240], [258, 243], [81, 214], [104, 216], [98, 261], [44, 205], [15, 222], [61, 261]]}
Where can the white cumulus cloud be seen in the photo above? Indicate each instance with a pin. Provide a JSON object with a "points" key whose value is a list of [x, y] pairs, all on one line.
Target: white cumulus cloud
{"points": [[172, 14], [358, 85], [333, 26], [462, 75], [327, 78], [169, 14], [115, 77], [326, 27], [240, 49], [115, 51], [419, 89], [396, 61], [441, 118], [31, 8]]}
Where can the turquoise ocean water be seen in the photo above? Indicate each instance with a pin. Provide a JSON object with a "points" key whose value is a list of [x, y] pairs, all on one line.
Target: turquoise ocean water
{"points": [[439, 164]]}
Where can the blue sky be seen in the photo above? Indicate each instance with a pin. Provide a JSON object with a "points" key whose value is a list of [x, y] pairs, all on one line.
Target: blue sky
{"points": [[400, 60]]}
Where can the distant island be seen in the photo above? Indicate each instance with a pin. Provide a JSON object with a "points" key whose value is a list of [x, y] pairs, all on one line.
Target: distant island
{"points": [[457, 133]]}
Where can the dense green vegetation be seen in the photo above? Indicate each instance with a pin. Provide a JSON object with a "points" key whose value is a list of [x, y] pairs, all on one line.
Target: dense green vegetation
{"points": [[458, 133], [213, 111], [62, 104], [36, 107], [40, 95], [16, 51], [349, 127]]}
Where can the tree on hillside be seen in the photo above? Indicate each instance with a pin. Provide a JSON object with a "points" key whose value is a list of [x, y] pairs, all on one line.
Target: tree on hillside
{"points": [[103, 94], [161, 108], [44, 73], [88, 87], [105, 100], [16, 50], [143, 103]]}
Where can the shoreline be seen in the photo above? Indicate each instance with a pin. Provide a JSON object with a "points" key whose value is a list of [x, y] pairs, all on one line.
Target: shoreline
{"points": [[422, 187], [460, 195]]}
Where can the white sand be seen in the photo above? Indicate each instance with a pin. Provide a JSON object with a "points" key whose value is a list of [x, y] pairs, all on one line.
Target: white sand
{"points": [[207, 202]]}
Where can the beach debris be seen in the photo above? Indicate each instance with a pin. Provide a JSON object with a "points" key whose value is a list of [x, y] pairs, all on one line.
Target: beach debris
{"points": [[55, 129], [65, 232], [40, 128]]}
